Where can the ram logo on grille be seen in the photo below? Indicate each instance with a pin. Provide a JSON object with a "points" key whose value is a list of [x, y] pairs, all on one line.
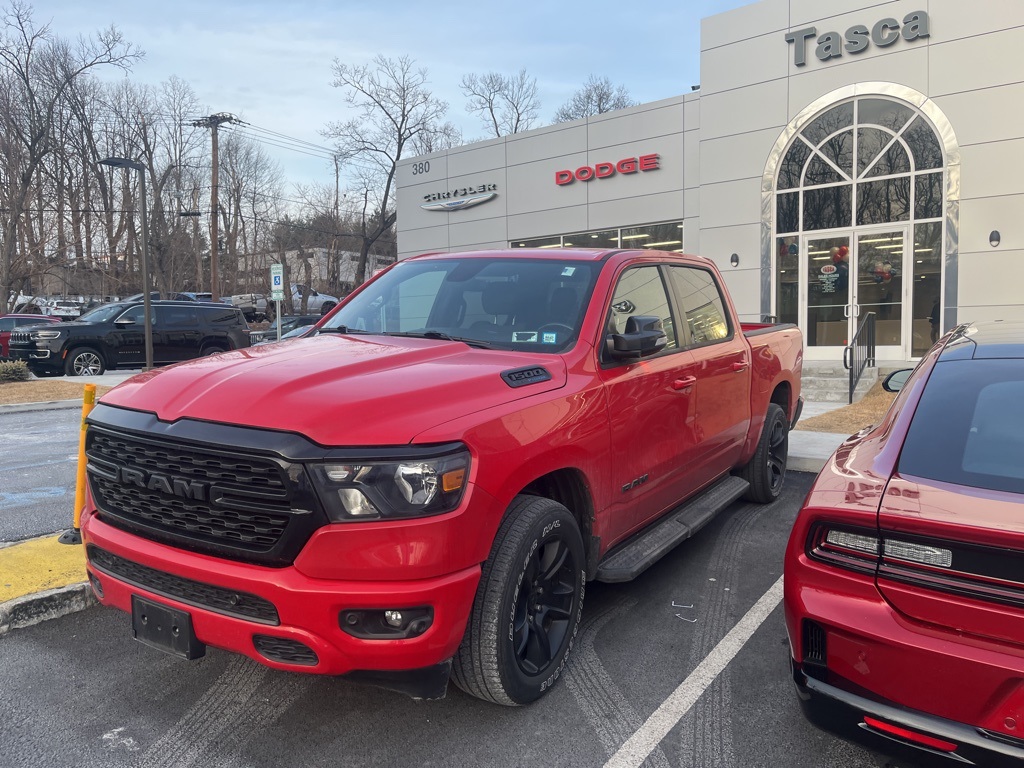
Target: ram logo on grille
{"points": [[154, 481]]}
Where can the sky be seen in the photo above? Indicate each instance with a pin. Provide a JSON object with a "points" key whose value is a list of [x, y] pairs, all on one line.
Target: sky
{"points": [[270, 63]]}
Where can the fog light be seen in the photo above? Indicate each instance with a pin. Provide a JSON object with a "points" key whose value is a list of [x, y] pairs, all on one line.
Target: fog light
{"points": [[386, 624], [97, 587]]}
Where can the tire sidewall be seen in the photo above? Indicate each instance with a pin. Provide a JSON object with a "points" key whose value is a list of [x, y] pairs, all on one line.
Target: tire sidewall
{"points": [[775, 417], [556, 522]]}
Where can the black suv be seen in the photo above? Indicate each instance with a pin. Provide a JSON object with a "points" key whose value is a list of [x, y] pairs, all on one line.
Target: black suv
{"points": [[112, 336]]}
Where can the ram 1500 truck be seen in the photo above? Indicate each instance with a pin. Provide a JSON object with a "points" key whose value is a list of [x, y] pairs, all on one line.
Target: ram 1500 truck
{"points": [[424, 488]]}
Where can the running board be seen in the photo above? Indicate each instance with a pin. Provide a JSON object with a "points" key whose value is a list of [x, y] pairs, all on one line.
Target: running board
{"points": [[629, 560]]}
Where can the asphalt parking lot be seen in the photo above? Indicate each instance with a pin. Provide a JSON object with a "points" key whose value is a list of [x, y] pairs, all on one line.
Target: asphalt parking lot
{"points": [[640, 688]]}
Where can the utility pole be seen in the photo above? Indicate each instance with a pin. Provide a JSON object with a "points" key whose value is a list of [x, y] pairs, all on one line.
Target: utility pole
{"points": [[213, 123]]}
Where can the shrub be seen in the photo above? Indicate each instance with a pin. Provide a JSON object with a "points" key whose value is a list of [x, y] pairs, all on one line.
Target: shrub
{"points": [[14, 371]]}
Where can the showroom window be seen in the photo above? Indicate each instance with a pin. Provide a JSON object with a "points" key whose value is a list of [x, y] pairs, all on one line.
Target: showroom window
{"points": [[667, 236]]}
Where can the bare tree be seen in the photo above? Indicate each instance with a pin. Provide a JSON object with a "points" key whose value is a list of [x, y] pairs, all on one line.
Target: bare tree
{"points": [[395, 107], [596, 97], [505, 104], [37, 71]]}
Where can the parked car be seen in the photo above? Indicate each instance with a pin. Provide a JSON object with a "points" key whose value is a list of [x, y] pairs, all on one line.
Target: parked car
{"points": [[425, 486], [9, 322], [288, 324], [112, 336], [62, 308], [904, 574], [174, 296]]}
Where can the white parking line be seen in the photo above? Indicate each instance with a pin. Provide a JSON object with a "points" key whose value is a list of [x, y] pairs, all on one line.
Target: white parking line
{"points": [[637, 748]]}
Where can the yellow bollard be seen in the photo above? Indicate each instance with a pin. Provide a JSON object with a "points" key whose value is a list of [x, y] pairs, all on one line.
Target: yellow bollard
{"points": [[74, 536]]}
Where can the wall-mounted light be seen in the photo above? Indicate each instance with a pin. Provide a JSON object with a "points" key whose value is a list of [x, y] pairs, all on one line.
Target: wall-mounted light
{"points": [[735, 259], [993, 238]]}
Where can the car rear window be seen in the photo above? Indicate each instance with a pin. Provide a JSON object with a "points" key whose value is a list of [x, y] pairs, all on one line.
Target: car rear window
{"points": [[969, 426]]}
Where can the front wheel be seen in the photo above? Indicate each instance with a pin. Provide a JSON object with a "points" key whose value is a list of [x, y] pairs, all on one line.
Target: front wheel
{"points": [[766, 470], [84, 362], [527, 608]]}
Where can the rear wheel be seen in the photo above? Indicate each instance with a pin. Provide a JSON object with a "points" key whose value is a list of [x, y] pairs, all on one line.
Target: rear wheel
{"points": [[211, 349], [84, 361], [766, 470], [527, 608]]}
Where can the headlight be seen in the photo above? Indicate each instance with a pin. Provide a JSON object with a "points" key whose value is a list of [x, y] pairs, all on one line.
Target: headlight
{"points": [[400, 488], [45, 334]]}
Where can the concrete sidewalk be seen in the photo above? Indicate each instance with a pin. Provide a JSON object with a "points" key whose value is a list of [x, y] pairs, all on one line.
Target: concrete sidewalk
{"points": [[42, 579]]}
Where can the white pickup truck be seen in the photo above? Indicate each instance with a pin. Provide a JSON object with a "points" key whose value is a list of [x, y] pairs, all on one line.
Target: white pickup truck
{"points": [[257, 306]]}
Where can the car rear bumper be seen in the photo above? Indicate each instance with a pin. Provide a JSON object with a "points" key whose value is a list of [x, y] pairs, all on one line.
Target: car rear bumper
{"points": [[894, 730], [304, 612]]}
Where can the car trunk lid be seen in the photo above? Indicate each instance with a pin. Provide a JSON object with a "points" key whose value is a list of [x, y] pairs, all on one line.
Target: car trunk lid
{"points": [[953, 556]]}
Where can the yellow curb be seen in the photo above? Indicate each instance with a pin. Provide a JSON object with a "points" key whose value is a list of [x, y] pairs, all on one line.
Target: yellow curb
{"points": [[39, 564]]}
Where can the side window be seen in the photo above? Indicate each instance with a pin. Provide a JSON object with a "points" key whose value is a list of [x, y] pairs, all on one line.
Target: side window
{"points": [[218, 316], [176, 317], [641, 291], [6, 323], [135, 314], [701, 301]]}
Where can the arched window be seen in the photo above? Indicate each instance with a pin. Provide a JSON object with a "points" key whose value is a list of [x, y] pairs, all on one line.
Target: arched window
{"points": [[859, 165]]}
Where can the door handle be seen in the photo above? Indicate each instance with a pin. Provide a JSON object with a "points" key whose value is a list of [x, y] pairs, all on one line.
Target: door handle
{"points": [[684, 384], [737, 367]]}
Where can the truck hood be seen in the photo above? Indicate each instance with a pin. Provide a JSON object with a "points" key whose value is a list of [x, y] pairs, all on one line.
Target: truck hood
{"points": [[338, 390]]}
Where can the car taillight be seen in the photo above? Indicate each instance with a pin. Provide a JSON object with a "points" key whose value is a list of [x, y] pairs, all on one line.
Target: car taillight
{"points": [[854, 548], [861, 548]]}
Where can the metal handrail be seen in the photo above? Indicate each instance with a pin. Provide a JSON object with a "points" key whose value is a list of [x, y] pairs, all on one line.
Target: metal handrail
{"points": [[860, 353]]}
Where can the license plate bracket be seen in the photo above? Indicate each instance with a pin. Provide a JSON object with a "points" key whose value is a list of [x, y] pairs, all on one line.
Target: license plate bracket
{"points": [[165, 628]]}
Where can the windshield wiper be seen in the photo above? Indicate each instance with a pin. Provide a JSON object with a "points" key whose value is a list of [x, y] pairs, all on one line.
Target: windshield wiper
{"points": [[443, 337], [340, 329]]}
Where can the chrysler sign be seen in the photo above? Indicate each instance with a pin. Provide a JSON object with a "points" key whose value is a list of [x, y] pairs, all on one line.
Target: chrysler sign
{"points": [[461, 197]]}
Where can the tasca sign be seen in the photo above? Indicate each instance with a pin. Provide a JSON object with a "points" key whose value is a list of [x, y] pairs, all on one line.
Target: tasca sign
{"points": [[625, 166], [857, 38]]}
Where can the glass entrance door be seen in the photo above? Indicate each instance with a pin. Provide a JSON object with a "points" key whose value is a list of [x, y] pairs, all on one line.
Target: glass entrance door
{"points": [[880, 264], [846, 276], [827, 283]]}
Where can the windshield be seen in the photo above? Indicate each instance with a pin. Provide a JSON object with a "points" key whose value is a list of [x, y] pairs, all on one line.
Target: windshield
{"points": [[101, 314], [534, 305]]}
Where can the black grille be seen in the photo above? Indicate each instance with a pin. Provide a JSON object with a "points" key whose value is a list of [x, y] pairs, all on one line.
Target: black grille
{"points": [[285, 651], [231, 503], [815, 653], [238, 604]]}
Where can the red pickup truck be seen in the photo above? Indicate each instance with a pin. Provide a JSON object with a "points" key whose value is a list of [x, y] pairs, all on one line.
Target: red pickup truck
{"points": [[424, 488]]}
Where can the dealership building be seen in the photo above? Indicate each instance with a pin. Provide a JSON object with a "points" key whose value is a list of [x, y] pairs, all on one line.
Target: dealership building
{"points": [[838, 158]]}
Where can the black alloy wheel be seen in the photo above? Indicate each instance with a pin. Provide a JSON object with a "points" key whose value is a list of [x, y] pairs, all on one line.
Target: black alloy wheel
{"points": [[543, 611]]}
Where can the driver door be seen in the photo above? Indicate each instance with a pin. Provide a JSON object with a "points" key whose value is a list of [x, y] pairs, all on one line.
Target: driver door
{"points": [[650, 408]]}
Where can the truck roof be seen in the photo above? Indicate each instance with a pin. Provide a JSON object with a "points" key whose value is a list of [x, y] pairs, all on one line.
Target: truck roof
{"points": [[555, 254]]}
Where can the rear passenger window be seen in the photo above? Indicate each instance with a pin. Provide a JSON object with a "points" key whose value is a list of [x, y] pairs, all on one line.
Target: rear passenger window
{"points": [[703, 307], [218, 316], [176, 317]]}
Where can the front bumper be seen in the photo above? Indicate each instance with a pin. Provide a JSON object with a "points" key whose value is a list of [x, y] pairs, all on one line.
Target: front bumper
{"points": [[848, 715], [305, 610]]}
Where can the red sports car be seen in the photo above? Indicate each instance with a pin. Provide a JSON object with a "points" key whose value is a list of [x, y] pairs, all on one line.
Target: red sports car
{"points": [[904, 588], [9, 322]]}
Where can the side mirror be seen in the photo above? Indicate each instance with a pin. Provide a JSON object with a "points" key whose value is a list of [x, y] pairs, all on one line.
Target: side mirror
{"points": [[644, 336], [125, 321], [896, 380]]}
